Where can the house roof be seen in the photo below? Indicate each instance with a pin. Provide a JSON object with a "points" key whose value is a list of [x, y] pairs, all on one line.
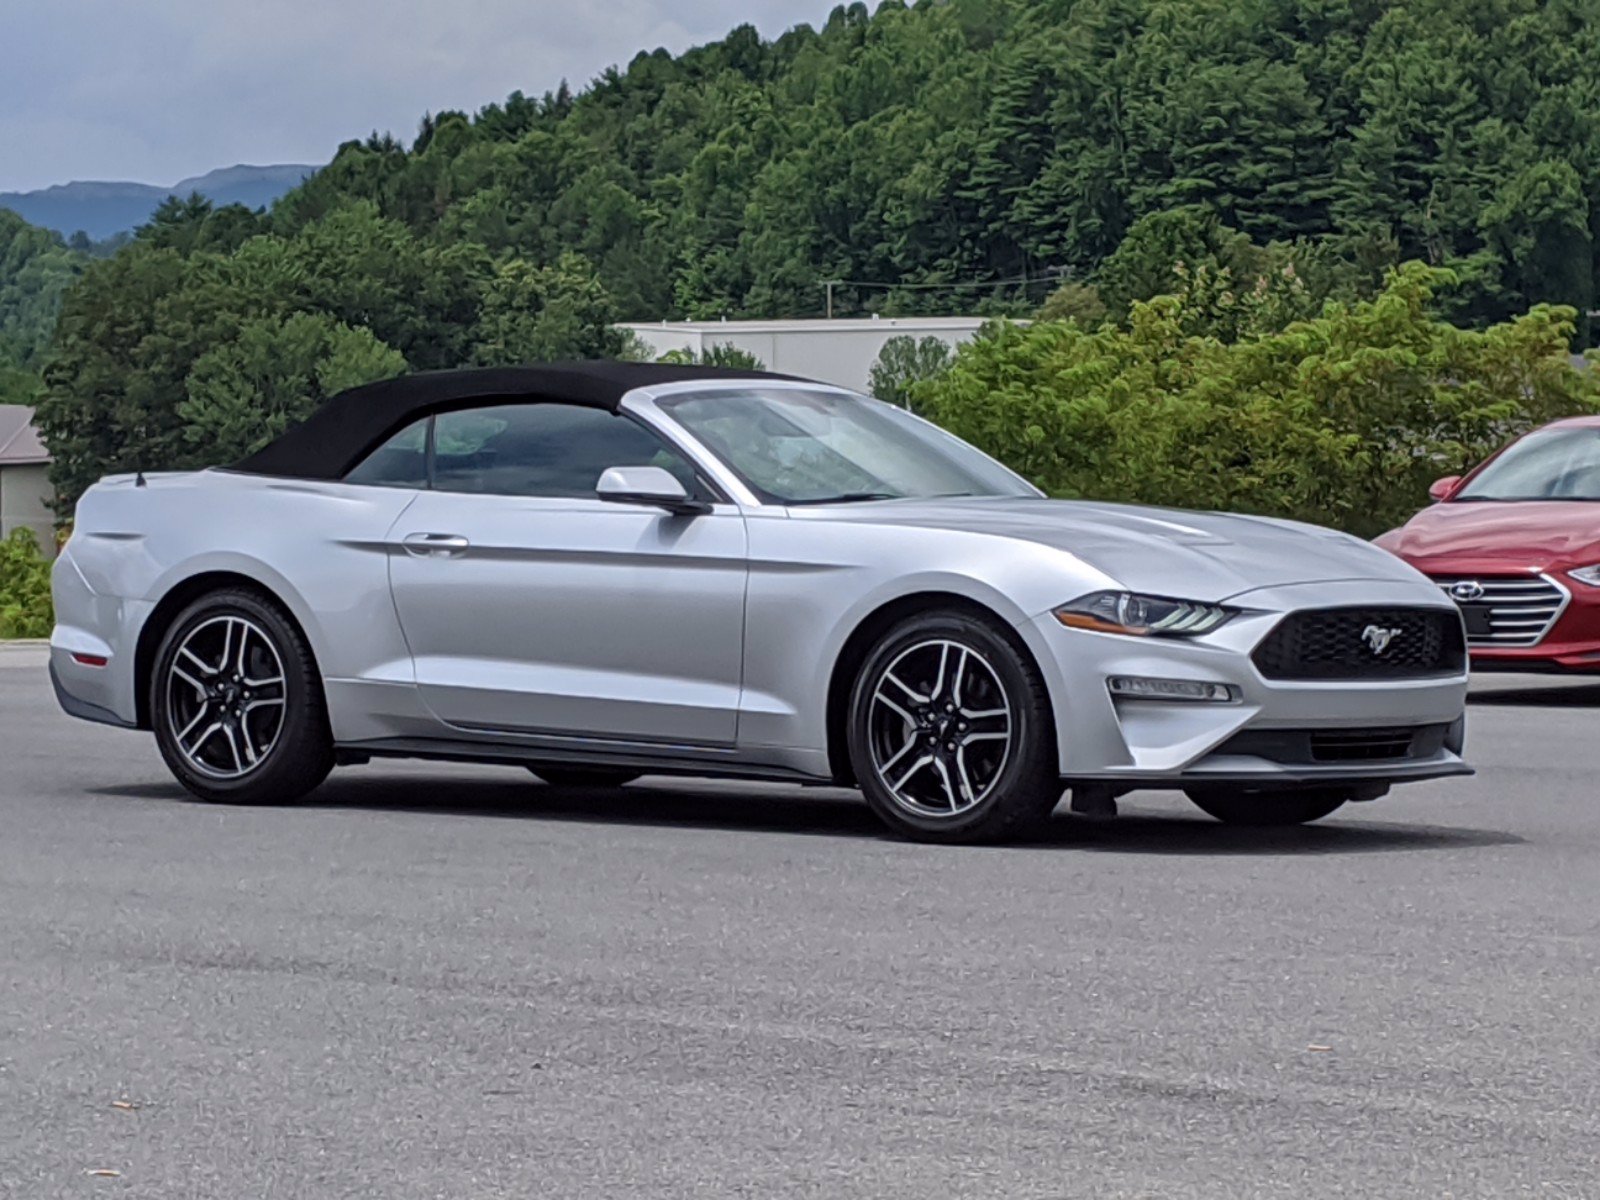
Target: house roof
{"points": [[338, 435], [19, 440]]}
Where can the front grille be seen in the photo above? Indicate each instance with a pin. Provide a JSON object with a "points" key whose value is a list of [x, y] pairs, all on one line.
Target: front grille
{"points": [[1508, 611], [1298, 747], [1363, 643]]}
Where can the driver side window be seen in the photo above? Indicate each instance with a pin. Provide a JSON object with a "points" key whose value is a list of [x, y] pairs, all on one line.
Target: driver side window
{"points": [[528, 449], [550, 450]]}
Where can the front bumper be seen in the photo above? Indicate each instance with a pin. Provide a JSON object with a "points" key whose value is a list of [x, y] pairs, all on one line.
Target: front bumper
{"points": [[1146, 743]]}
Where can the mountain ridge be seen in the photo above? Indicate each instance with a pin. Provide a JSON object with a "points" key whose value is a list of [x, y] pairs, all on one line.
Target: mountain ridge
{"points": [[103, 207]]}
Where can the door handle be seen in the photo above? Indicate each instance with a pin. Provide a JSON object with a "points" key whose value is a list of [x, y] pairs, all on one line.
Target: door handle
{"points": [[435, 545]]}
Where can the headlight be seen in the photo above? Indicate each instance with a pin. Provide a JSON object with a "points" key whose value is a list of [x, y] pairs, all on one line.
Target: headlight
{"points": [[1588, 575], [1143, 616]]}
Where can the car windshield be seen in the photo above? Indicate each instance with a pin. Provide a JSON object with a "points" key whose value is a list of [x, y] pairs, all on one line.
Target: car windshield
{"points": [[1550, 464], [793, 446]]}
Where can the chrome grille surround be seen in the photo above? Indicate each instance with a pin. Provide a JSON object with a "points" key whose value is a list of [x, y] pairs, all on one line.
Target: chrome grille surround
{"points": [[1522, 608]]}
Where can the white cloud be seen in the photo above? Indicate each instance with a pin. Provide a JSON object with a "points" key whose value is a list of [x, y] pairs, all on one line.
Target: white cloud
{"points": [[164, 89]]}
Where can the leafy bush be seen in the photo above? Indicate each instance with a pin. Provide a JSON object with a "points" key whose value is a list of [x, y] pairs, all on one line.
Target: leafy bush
{"points": [[25, 610], [1343, 419]]}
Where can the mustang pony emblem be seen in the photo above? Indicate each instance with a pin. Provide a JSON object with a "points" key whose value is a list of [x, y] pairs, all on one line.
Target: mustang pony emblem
{"points": [[1378, 637]]}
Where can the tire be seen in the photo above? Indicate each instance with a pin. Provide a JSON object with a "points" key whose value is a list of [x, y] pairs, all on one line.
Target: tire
{"points": [[1269, 807], [230, 663], [983, 777], [577, 777]]}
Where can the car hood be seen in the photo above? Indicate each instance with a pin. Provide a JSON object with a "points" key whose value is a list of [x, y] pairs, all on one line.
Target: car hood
{"points": [[1195, 555], [1536, 534]]}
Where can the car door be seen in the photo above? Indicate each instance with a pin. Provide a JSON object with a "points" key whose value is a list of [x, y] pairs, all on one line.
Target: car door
{"points": [[530, 606]]}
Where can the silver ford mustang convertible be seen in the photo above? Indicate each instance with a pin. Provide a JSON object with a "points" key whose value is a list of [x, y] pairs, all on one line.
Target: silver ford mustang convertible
{"points": [[602, 570]]}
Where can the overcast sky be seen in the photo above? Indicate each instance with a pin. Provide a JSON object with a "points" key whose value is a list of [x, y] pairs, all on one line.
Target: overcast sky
{"points": [[159, 90]]}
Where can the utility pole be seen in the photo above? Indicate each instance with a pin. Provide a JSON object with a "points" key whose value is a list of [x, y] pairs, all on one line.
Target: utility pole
{"points": [[830, 284]]}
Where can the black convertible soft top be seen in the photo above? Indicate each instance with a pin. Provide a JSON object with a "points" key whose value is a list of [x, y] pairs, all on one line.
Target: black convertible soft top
{"points": [[340, 433]]}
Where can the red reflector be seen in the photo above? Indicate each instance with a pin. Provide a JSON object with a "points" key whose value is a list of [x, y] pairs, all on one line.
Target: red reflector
{"points": [[90, 660]]}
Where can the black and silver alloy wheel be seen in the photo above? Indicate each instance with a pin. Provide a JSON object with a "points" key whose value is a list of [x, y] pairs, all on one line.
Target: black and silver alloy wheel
{"points": [[226, 696], [950, 731], [939, 728], [236, 702]]}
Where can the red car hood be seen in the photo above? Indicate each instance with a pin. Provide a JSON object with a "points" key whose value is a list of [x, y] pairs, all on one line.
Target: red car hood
{"points": [[1525, 534]]}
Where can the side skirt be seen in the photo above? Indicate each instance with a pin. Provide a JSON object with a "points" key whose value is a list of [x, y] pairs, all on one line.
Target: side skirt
{"points": [[652, 760]]}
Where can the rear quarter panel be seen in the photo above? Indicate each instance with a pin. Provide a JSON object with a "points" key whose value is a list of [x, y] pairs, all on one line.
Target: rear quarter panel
{"points": [[320, 548]]}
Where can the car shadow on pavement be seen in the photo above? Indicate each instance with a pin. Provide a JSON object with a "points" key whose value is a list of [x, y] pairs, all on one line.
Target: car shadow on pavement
{"points": [[1346, 833], [1585, 695], [832, 812]]}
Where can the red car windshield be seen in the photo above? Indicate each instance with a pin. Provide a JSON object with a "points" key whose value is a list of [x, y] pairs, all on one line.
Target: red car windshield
{"points": [[1549, 464]]}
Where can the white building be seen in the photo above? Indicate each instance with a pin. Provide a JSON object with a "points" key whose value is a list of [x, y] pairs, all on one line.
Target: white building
{"points": [[839, 351], [25, 490]]}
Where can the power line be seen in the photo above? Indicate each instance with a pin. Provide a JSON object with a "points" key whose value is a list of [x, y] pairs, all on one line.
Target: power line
{"points": [[987, 283]]}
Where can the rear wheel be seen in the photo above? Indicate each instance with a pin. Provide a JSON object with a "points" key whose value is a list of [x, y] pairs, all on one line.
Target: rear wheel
{"points": [[585, 776], [237, 703], [950, 732], [1268, 807]]}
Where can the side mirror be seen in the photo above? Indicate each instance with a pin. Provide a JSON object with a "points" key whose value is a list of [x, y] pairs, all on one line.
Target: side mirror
{"points": [[1442, 489], [653, 487]]}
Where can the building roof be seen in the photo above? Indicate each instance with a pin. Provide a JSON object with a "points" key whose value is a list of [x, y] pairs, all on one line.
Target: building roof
{"points": [[340, 433], [19, 440], [817, 325]]}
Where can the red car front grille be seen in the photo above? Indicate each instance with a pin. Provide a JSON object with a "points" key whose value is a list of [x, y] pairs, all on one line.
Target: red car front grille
{"points": [[1505, 611]]}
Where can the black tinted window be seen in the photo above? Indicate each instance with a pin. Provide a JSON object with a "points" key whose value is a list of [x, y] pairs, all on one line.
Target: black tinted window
{"points": [[542, 450], [402, 461]]}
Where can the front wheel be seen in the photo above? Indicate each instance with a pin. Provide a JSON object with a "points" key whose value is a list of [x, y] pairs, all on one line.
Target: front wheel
{"points": [[1268, 807], [950, 732], [236, 702]]}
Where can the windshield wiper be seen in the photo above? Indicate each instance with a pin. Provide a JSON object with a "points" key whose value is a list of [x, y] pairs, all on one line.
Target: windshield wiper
{"points": [[847, 498]]}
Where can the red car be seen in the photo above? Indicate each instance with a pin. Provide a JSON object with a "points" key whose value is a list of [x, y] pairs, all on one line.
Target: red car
{"points": [[1516, 543]]}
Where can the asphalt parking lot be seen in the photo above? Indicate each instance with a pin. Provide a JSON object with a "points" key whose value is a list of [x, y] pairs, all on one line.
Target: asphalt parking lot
{"points": [[453, 982]]}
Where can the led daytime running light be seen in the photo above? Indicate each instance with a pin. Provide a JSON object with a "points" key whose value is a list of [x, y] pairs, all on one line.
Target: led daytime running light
{"points": [[1143, 616]]}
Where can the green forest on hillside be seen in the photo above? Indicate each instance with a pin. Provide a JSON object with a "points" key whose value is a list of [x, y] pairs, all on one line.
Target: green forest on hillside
{"points": [[36, 268], [964, 155]]}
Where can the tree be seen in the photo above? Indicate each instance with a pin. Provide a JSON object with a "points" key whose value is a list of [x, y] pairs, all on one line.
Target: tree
{"points": [[718, 354], [36, 269], [277, 370], [122, 349], [1074, 301], [1539, 223], [1163, 246], [904, 362], [544, 314]]}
